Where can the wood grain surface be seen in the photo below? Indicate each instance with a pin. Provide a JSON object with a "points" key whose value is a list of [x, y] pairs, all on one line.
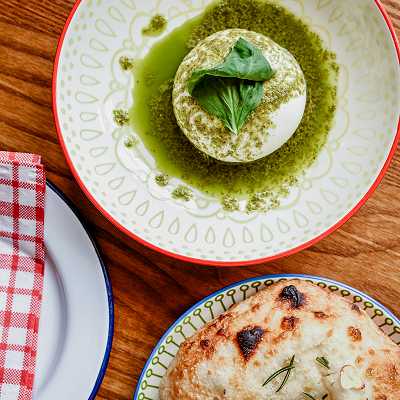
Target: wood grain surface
{"points": [[151, 290]]}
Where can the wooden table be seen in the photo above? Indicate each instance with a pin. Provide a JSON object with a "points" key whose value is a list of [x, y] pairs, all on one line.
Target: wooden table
{"points": [[364, 253]]}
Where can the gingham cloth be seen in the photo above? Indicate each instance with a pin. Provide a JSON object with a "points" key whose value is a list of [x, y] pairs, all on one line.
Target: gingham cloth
{"points": [[22, 191]]}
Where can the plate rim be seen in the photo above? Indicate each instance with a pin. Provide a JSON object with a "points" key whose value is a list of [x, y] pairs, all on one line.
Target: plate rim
{"points": [[107, 281], [212, 262], [247, 281]]}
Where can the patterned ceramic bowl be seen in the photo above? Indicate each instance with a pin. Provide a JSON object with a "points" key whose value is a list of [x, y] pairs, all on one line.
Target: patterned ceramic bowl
{"points": [[217, 303], [89, 84]]}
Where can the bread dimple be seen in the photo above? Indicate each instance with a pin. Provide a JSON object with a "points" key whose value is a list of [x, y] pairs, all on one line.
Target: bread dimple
{"points": [[232, 356]]}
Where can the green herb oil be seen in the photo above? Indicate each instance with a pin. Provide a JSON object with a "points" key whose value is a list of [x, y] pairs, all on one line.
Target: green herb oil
{"points": [[152, 115], [157, 25]]}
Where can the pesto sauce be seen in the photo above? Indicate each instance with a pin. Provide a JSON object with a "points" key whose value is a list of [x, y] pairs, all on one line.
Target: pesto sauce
{"points": [[182, 193], [157, 25], [162, 180], [230, 203], [263, 181], [130, 142], [121, 117], [126, 63]]}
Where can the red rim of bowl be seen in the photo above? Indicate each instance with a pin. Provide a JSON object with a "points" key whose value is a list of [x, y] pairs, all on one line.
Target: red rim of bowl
{"points": [[214, 262]]}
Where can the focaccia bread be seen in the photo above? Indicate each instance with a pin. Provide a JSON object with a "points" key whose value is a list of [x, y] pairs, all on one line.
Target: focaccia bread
{"points": [[317, 344]]}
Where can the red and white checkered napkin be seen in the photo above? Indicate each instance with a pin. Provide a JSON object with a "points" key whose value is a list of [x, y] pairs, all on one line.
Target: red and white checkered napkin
{"points": [[22, 191]]}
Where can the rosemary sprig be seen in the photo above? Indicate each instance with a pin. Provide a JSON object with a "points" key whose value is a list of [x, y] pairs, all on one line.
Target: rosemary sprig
{"points": [[287, 369], [308, 395], [323, 361], [288, 372]]}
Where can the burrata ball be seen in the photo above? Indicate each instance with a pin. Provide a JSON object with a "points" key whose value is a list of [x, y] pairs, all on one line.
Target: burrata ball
{"points": [[268, 127]]}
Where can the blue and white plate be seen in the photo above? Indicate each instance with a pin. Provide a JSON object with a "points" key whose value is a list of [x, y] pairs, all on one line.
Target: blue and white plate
{"points": [[76, 324], [217, 303]]}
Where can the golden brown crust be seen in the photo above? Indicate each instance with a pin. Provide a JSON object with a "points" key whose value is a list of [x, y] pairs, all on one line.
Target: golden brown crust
{"points": [[354, 333]]}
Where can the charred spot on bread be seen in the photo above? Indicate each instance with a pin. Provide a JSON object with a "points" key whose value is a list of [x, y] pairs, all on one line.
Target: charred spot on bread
{"points": [[385, 374], [393, 373], [222, 332], [208, 347], [354, 333], [289, 323], [248, 340], [280, 338], [355, 308], [205, 344], [320, 315], [188, 344], [223, 318], [369, 372], [293, 296]]}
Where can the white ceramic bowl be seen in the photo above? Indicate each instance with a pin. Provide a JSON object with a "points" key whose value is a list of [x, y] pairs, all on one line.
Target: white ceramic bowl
{"points": [[89, 84]]}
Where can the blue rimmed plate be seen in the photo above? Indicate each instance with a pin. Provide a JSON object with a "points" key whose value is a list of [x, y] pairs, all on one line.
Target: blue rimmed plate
{"points": [[76, 324], [215, 304]]}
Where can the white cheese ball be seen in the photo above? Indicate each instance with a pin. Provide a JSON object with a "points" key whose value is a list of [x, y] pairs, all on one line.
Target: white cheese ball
{"points": [[268, 127]]}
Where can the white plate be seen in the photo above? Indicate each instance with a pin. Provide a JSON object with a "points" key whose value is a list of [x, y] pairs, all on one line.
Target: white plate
{"points": [[89, 83], [76, 324]]}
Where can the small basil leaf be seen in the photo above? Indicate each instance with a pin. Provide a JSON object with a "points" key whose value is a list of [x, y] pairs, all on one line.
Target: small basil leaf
{"points": [[251, 94], [229, 99]]}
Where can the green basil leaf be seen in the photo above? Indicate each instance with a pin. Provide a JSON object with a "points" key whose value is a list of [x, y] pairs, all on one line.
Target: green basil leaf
{"points": [[231, 100], [232, 90], [245, 61]]}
